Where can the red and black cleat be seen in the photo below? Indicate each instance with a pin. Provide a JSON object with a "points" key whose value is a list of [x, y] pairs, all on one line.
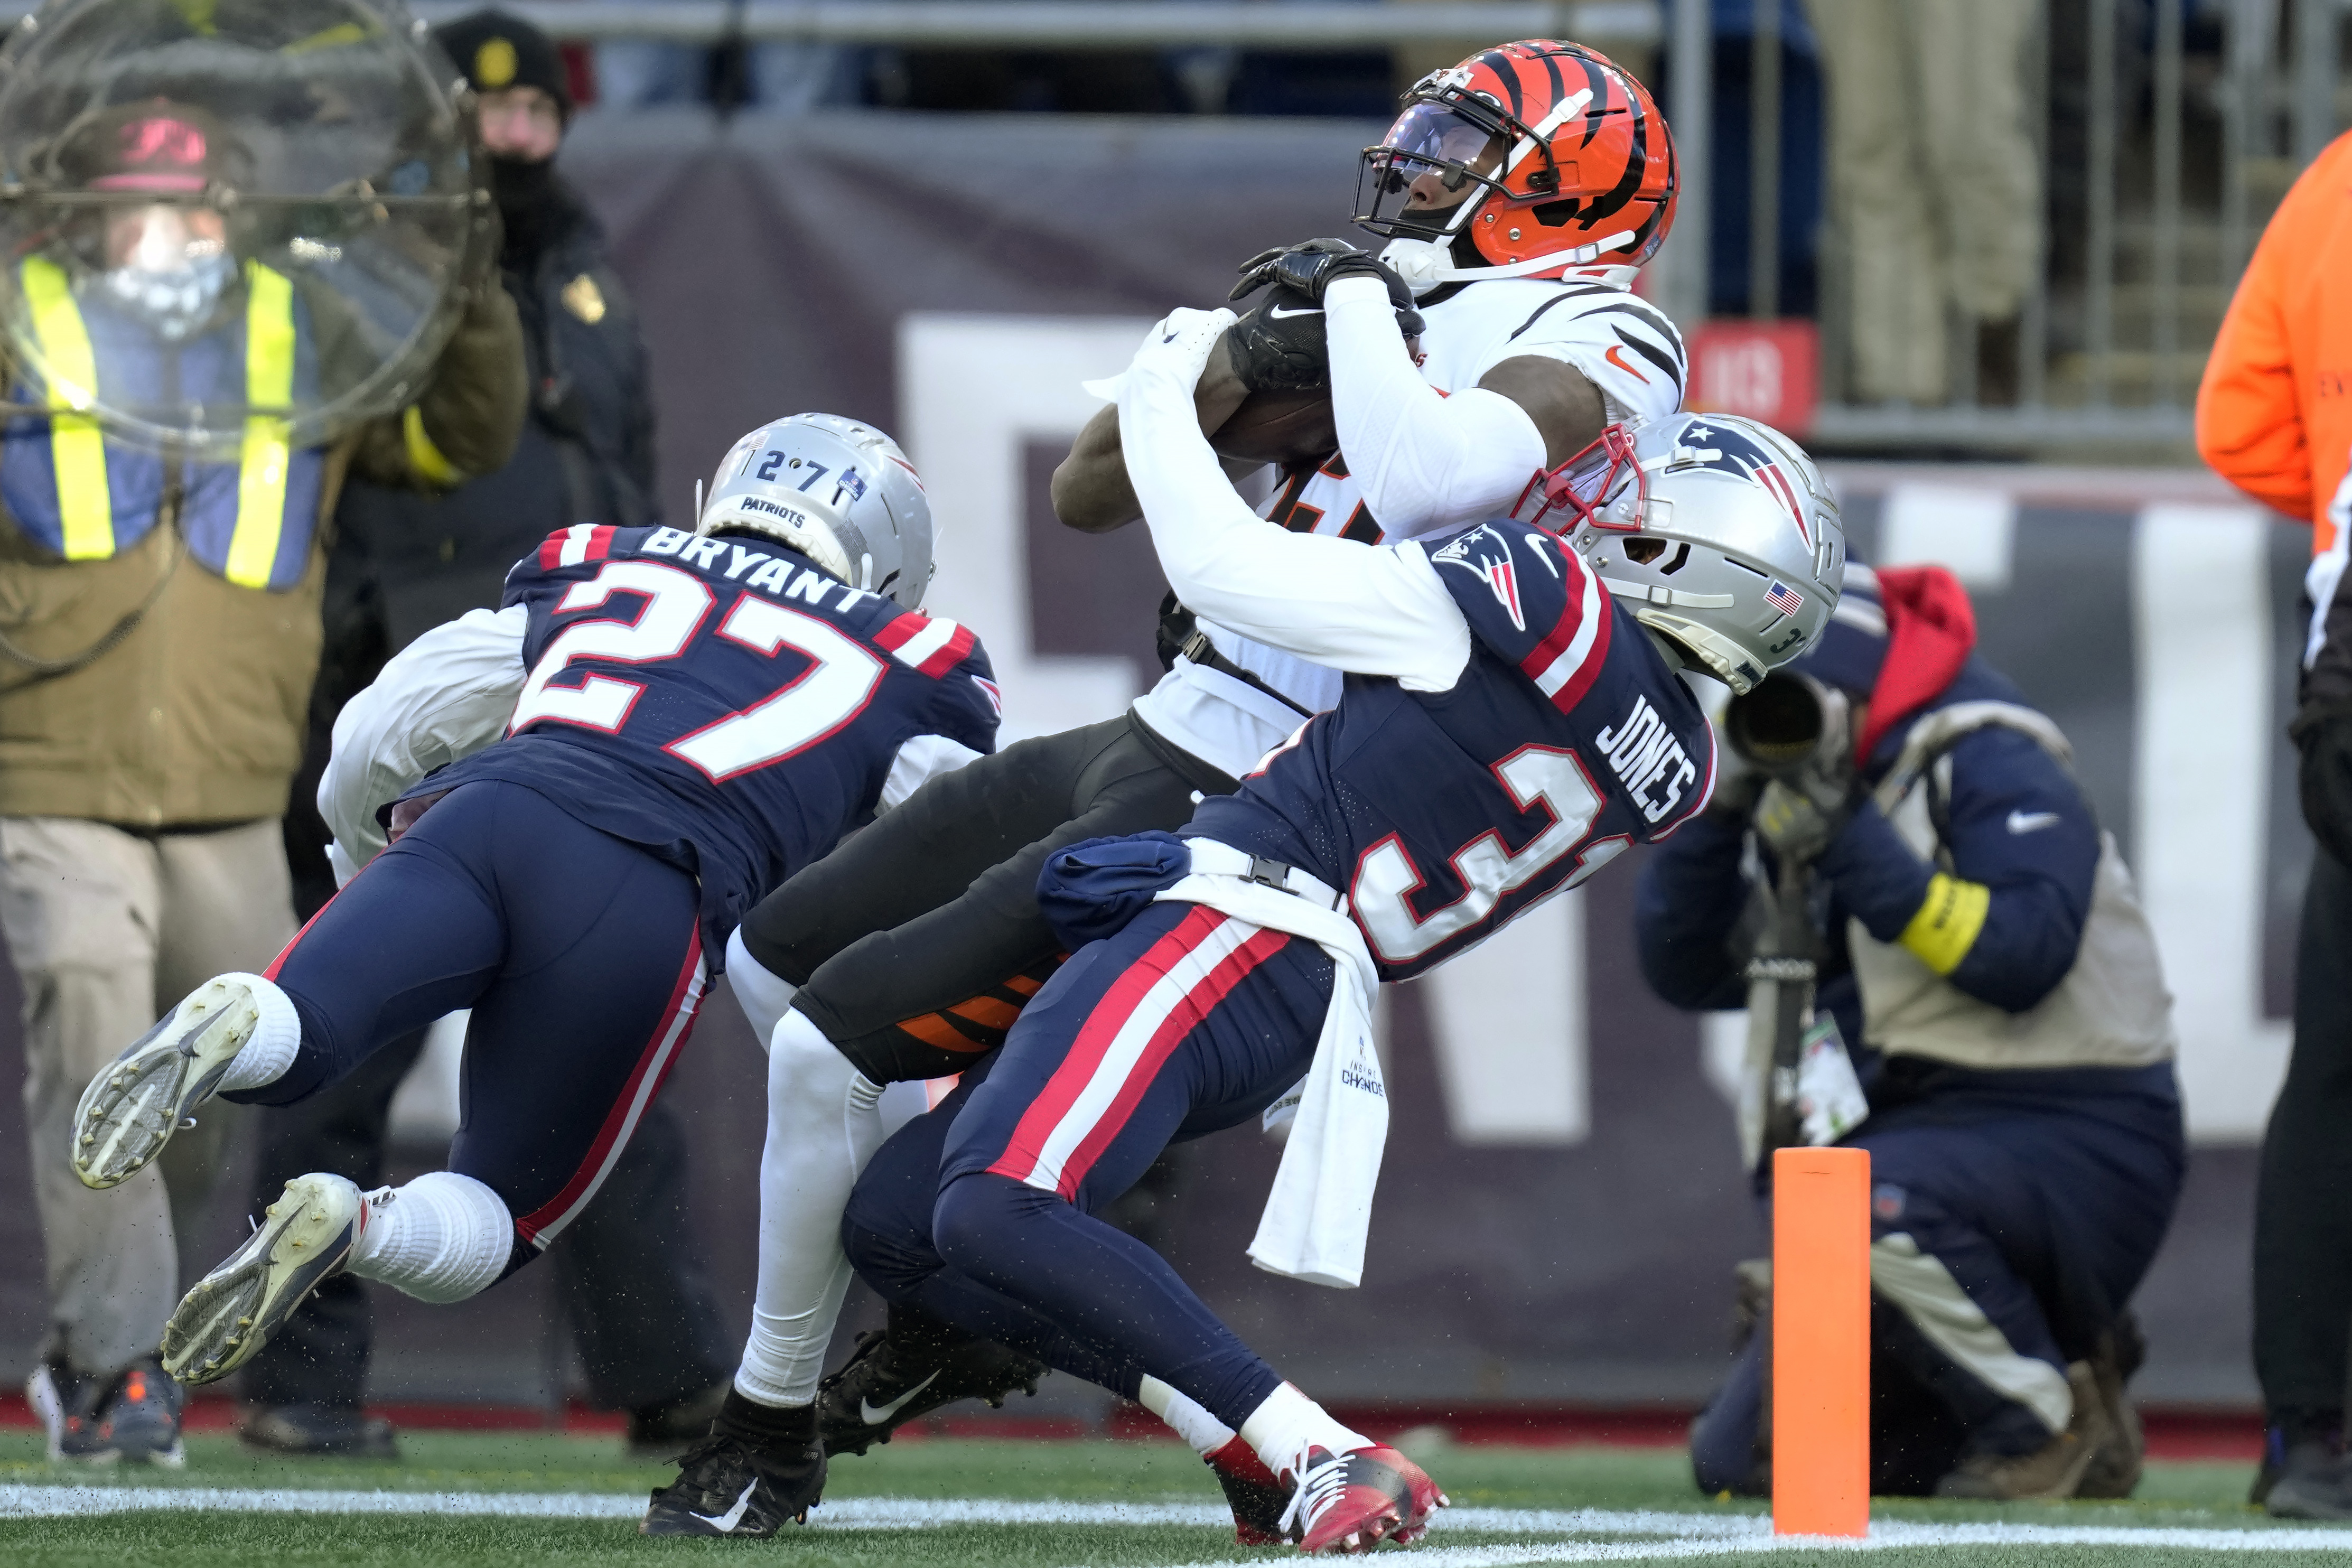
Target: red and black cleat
{"points": [[1257, 1499], [1353, 1502]]}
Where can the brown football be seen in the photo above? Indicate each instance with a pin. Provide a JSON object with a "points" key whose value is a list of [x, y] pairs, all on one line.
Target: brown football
{"points": [[1279, 428]]}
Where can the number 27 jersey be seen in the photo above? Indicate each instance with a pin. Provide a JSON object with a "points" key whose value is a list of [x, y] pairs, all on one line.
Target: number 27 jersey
{"points": [[721, 701], [1445, 815]]}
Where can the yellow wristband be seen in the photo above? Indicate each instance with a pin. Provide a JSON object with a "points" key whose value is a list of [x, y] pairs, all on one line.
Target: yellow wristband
{"points": [[422, 455], [1946, 927]]}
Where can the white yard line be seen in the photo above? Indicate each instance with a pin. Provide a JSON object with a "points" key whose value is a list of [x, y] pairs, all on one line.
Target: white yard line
{"points": [[1674, 1535]]}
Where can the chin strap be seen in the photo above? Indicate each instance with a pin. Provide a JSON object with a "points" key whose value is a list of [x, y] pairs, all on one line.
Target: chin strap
{"points": [[1426, 265]]}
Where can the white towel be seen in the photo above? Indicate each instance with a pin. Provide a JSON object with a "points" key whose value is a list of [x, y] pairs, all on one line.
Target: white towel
{"points": [[1319, 1211]]}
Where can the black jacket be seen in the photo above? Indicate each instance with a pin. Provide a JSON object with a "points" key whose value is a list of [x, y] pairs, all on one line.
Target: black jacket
{"points": [[406, 563]]}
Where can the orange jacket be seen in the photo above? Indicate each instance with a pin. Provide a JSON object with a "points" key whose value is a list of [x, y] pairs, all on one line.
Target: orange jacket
{"points": [[2274, 412]]}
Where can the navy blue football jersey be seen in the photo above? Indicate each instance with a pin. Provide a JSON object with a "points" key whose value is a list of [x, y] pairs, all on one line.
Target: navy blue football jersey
{"points": [[721, 701], [1443, 814]]}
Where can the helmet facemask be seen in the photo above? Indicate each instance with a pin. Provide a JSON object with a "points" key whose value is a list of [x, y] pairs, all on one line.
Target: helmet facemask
{"points": [[1601, 486]]}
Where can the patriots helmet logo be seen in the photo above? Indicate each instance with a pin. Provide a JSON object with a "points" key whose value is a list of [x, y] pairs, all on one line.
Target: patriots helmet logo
{"points": [[1709, 446]]}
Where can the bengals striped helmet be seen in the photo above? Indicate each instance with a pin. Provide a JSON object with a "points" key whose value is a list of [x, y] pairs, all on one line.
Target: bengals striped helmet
{"points": [[1538, 159]]}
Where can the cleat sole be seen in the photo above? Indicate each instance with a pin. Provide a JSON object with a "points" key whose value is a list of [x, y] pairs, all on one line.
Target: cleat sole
{"points": [[129, 1112], [229, 1315]]}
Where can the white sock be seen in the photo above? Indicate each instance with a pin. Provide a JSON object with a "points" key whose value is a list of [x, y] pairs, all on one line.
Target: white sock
{"points": [[1185, 1416], [441, 1238], [823, 1126], [265, 1058], [763, 996], [1288, 1424]]}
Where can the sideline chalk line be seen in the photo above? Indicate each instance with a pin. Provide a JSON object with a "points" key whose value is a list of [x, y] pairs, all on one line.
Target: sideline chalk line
{"points": [[1672, 1535]]}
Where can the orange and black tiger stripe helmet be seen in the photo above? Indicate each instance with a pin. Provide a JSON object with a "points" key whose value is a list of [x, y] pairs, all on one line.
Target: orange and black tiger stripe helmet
{"points": [[1566, 158]]}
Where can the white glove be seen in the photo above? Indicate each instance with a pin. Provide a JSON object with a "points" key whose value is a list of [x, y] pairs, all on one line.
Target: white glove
{"points": [[1176, 350]]}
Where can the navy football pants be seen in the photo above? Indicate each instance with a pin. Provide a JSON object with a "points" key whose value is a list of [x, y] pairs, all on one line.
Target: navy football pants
{"points": [[1185, 1023], [579, 954]]}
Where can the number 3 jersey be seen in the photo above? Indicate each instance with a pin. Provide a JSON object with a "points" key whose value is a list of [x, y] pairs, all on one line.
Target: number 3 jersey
{"points": [[1445, 815], [724, 704]]}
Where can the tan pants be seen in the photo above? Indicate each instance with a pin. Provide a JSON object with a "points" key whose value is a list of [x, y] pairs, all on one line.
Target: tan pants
{"points": [[1933, 174], [107, 929]]}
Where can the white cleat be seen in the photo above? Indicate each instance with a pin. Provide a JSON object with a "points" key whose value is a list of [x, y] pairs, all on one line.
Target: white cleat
{"points": [[137, 1100], [306, 1236]]}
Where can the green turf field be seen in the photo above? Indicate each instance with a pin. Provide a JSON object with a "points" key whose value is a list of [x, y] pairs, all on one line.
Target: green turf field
{"points": [[1064, 1504]]}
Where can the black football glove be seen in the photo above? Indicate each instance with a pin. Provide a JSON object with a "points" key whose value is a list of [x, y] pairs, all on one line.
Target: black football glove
{"points": [[2324, 735], [1280, 346]]}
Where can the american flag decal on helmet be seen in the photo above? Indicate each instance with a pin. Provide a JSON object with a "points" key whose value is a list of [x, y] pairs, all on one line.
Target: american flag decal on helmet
{"points": [[1783, 598]]}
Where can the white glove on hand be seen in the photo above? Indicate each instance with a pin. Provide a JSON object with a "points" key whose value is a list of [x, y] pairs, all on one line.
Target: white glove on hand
{"points": [[1176, 350]]}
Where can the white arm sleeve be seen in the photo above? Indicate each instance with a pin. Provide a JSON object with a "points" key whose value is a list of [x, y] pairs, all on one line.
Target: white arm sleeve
{"points": [[444, 696], [1348, 606], [918, 762], [1422, 461]]}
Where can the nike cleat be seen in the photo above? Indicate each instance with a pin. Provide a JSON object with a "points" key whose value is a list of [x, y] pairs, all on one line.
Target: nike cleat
{"points": [[729, 1486], [1257, 1499], [897, 1375], [1353, 1502], [306, 1236], [134, 1105]]}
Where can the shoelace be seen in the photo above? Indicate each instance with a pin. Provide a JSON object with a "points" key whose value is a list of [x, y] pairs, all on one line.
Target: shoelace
{"points": [[1318, 1487]]}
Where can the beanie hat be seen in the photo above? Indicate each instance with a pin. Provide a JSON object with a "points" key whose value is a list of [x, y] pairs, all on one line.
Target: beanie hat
{"points": [[497, 49]]}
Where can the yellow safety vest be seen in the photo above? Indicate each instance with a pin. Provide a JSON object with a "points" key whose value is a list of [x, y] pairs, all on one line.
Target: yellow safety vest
{"points": [[77, 447]]}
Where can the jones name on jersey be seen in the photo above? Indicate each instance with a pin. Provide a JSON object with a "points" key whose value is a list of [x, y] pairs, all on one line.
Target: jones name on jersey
{"points": [[1443, 814]]}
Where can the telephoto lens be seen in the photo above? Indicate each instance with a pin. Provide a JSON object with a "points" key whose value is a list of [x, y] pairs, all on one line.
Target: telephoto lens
{"points": [[1785, 721]]}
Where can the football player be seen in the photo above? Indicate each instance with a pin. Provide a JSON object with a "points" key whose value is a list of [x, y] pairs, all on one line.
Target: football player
{"points": [[1513, 721], [1521, 190], [587, 789]]}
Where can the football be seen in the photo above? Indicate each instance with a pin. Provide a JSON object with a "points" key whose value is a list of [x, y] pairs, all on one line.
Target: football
{"points": [[1279, 427]]}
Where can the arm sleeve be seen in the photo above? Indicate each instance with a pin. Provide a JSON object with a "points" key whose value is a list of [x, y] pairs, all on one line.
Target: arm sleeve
{"points": [[1689, 902], [444, 696], [1348, 606], [1423, 460], [2249, 418], [2004, 924]]}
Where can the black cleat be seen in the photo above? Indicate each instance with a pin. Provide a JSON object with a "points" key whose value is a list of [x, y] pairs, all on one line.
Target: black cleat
{"points": [[910, 1369], [730, 1486]]}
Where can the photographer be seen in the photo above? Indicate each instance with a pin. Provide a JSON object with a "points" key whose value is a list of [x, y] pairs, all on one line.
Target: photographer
{"points": [[1982, 954]]}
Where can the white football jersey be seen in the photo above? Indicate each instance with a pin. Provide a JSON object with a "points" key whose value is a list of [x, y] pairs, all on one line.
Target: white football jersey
{"points": [[1622, 344]]}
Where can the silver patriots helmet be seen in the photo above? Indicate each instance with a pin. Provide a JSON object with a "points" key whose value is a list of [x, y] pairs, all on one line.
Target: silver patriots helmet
{"points": [[840, 493], [1720, 529]]}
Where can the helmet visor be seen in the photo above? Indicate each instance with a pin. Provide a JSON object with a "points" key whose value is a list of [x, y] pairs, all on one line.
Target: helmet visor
{"points": [[1427, 170]]}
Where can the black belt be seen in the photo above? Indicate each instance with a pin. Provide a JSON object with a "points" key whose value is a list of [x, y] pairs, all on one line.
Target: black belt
{"points": [[1202, 651]]}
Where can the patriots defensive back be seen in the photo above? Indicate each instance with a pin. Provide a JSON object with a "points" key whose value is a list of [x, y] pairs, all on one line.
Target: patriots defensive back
{"points": [[1512, 719], [656, 729]]}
